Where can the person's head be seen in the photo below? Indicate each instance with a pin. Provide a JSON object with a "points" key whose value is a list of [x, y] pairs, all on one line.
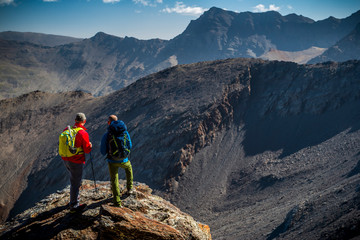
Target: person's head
{"points": [[80, 118], [112, 118]]}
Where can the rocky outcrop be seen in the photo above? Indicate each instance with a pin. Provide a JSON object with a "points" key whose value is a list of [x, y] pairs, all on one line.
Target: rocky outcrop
{"points": [[143, 216]]}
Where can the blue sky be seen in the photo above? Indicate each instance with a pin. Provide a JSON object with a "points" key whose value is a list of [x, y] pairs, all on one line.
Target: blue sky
{"points": [[144, 19]]}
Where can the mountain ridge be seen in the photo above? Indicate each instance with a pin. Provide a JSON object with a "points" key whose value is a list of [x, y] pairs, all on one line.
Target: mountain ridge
{"points": [[346, 48], [49, 40], [105, 63], [258, 32]]}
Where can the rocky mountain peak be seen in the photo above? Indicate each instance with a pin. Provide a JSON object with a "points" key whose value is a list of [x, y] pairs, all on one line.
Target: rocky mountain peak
{"points": [[298, 18], [215, 11], [102, 37], [214, 17], [143, 216]]}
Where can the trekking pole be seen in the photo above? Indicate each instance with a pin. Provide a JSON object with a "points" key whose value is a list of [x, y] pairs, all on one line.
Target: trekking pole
{"points": [[92, 167]]}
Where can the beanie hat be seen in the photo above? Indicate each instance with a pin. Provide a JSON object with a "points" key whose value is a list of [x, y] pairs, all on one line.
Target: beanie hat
{"points": [[80, 117]]}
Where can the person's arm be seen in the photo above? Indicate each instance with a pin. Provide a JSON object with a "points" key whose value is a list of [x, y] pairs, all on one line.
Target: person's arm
{"points": [[104, 145], [129, 139], [85, 142]]}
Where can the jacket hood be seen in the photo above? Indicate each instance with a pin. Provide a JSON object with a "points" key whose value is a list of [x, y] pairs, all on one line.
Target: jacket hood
{"points": [[117, 127]]}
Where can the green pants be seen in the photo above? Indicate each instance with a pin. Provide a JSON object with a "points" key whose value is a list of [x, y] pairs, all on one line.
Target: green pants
{"points": [[114, 179]]}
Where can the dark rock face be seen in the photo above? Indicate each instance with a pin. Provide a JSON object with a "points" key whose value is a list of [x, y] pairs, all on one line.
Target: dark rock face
{"points": [[144, 216], [244, 145]]}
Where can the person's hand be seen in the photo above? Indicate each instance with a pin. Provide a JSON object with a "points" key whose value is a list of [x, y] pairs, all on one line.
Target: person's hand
{"points": [[90, 145]]}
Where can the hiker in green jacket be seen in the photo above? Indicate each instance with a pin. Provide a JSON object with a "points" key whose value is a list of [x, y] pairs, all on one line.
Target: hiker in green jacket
{"points": [[116, 144]]}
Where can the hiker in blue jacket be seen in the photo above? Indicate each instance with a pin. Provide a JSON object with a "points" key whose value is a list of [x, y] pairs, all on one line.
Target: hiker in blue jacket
{"points": [[117, 128]]}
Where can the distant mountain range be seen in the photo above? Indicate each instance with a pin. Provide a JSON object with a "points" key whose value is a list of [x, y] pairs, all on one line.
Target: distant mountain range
{"points": [[219, 34], [49, 40], [105, 63], [98, 65]]}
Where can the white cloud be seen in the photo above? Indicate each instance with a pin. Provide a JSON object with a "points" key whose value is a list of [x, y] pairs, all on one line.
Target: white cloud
{"points": [[181, 8], [6, 2], [148, 3], [142, 2], [50, 0], [274, 8], [262, 8], [110, 1], [290, 7]]}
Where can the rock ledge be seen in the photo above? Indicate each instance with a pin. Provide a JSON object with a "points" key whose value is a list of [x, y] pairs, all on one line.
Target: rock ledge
{"points": [[144, 216]]}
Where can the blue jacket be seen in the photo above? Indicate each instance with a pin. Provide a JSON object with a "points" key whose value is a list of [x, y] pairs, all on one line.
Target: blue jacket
{"points": [[115, 126]]}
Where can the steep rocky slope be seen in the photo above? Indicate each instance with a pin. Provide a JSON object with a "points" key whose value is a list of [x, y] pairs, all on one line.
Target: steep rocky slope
{"points": [[255, 149], [143, 216], [105, 63], [289, 167], [98, 65], [345, 49]]}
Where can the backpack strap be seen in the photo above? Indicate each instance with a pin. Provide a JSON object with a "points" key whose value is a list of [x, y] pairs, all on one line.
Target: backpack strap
{"points": [[71, 137], [117, 147]]}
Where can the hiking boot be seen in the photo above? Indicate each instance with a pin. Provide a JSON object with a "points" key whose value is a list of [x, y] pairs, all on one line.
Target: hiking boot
{"points": [[117, 205], [131, 192], [78, 209]]}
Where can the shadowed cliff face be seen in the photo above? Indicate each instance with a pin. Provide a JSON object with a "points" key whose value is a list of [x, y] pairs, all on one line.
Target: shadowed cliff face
{"points": [[238, 143], [292, 141]]}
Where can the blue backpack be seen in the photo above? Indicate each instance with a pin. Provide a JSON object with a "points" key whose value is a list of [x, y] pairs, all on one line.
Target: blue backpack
{"points": [[119, 141]]}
